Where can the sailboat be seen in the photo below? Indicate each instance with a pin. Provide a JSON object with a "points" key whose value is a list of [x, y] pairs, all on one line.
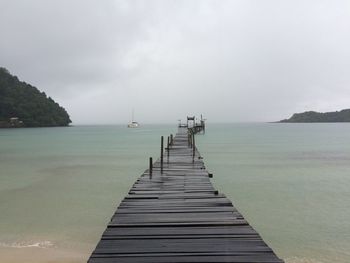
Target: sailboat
{"points": [[133, 124]]}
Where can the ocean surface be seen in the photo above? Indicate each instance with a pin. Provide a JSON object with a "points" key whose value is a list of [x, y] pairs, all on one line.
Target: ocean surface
{"points": [[60, 186]]}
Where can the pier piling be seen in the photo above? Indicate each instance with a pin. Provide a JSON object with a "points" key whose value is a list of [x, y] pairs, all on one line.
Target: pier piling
{"points": [[150, 166], [161, 153], [168, 149]]}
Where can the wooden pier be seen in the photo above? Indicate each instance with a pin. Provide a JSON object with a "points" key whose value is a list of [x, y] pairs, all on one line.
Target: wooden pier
{"points": [[173, 214]]}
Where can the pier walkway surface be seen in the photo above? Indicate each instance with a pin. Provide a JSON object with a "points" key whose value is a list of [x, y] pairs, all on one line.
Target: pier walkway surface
{"points": [[174, 214]]}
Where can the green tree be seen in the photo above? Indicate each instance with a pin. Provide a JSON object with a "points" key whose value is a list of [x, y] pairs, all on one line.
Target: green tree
{"points": [[34, 108]]}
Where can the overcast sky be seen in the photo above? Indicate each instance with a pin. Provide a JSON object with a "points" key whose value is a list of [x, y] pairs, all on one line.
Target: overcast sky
{"points": [[232, 61]]}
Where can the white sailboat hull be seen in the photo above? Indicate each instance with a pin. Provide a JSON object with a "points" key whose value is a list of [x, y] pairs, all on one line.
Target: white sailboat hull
{"points": [[134, 124]]}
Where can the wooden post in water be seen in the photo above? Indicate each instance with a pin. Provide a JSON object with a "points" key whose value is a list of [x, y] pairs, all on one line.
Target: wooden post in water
{"points": [[150, 166], [161, 153], [191, 137], [188, 137], [194, 146], [168, 149], [191, 141]]}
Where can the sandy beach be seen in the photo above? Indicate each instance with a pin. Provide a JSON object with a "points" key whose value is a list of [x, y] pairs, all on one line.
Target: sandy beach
{"points": [[41, 255]]}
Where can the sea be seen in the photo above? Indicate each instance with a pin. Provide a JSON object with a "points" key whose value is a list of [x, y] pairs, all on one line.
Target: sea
{"points": [[60, 186]]}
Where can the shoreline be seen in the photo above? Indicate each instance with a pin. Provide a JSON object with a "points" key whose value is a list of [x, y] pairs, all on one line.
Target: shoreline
{"points": [[41, 255]]}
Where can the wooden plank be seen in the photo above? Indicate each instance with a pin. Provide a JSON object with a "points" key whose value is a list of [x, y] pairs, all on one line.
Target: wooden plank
{"points": [[188, 259]]}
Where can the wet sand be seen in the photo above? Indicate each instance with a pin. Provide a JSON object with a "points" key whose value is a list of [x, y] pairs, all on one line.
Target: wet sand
{"points": [[41, 255]]}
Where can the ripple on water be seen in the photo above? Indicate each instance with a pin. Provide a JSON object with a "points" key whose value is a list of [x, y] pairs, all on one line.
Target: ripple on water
{"points": [[40, 244]]}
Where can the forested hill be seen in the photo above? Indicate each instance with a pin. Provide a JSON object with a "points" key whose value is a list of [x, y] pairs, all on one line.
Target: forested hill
{"points": [[313, 116], [22, 105]]}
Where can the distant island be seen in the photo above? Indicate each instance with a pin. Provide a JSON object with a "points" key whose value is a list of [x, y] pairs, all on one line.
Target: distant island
{"points": [[313, 116], [22, 105]]}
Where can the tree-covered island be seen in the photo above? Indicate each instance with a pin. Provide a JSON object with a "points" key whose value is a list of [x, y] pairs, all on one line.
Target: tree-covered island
{"points": [[313, 116], [22, 105]]}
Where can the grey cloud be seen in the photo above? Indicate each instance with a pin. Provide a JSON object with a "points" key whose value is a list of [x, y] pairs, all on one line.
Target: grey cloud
{"points": [[231, 60]]}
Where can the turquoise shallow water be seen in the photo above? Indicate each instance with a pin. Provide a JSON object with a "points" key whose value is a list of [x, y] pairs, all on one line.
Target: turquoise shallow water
{"points": [[60, 186], [291, 181]]}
